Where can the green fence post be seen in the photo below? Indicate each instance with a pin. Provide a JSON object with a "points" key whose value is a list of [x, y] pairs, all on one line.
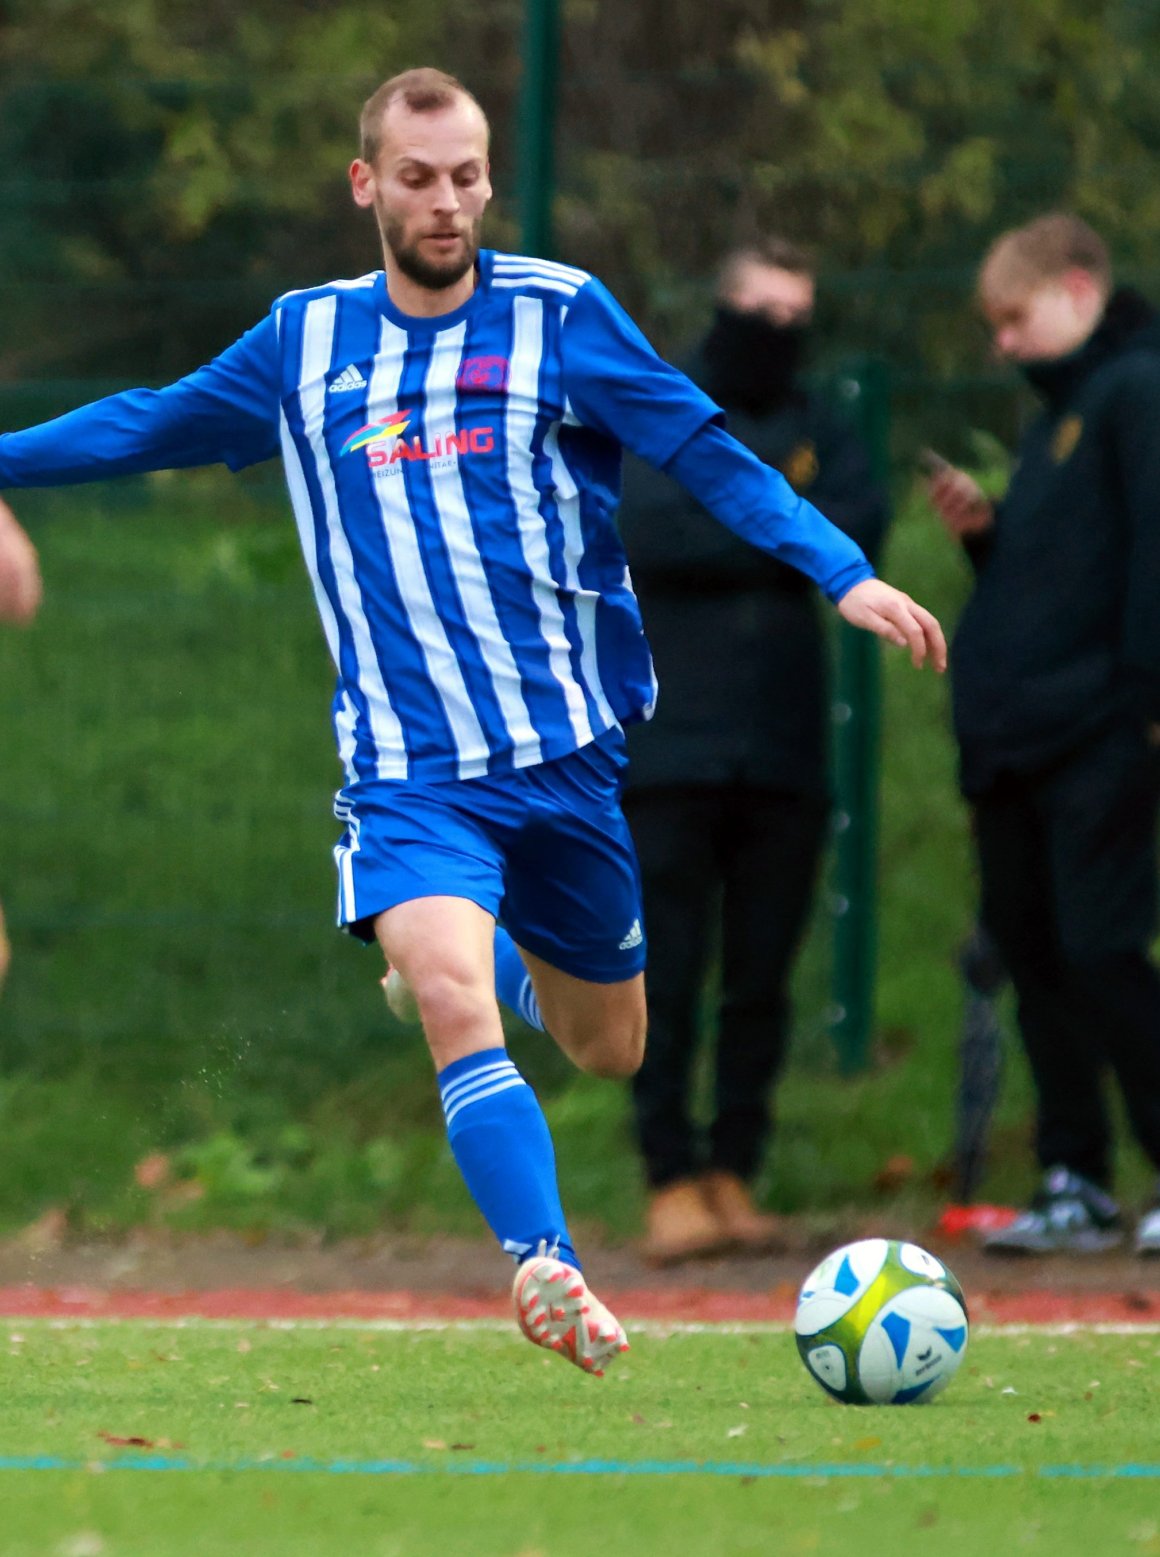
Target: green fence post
{"points": [[537, 161], [865, 392]]}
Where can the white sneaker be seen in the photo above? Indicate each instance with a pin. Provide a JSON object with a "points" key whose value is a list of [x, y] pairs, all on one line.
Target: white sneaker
{"points": [[400, 998], [1148, 1234], [554, 1308]]}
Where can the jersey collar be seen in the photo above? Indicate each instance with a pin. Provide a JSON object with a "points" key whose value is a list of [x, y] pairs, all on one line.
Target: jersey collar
{"points": [[421, 323]]}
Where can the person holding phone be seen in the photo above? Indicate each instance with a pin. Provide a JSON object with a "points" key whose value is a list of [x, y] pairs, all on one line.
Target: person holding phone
{"points": [[1056, 695]]}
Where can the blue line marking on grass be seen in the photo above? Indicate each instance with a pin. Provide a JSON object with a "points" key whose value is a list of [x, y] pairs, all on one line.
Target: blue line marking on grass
{"points": [[722, 1468]]}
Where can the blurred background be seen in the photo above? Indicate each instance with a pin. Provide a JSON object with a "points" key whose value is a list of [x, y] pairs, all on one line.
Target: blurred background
{"points": [[185, 1041]]}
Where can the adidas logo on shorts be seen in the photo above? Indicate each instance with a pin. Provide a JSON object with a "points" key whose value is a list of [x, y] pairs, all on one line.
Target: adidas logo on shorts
{"points": [[634, 937]]}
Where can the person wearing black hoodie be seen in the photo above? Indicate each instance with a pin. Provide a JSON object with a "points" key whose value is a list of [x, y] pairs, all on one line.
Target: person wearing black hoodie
{"points": [[727, 791], [1056, 696]]}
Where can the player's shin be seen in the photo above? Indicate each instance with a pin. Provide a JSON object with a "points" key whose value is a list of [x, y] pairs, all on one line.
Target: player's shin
{"points": [[503, 1149]]}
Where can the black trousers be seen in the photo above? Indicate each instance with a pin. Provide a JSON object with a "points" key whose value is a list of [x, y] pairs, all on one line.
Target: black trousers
{"points": [[1068, 865], [744, 860]]}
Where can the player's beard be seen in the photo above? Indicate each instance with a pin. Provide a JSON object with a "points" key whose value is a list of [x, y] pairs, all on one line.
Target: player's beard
{"points": [[435, 275]]}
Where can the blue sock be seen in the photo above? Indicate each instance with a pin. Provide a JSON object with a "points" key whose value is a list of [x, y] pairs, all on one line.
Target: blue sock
{"points": [[500, 1140], [513, 983]]}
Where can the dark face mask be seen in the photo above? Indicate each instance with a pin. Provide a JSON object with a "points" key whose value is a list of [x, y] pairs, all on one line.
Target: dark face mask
{"points": [[751, 362]]}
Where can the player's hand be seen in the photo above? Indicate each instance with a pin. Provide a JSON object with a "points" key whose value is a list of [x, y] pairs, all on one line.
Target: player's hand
{"points": [[20, 585], [960, 502], [881, 609]]}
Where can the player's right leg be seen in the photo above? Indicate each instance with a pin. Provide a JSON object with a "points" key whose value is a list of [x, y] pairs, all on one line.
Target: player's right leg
{"points": [[441, 947]]}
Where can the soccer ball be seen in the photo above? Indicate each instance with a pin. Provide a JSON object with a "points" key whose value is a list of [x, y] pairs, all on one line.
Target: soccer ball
{"points": [[881, 1323]]}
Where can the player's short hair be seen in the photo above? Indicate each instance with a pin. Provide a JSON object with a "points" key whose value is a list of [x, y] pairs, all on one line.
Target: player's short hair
{"points": [[424, 90], [774, 252], [1044, 250]]}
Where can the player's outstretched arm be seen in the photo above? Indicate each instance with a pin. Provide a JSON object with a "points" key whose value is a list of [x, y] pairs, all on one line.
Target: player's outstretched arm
{"points": [[884, 610], [20, 586]]}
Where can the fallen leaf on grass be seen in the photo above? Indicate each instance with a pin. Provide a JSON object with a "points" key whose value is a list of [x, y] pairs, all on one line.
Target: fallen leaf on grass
{"points": [[866, 1443], [463, 1446], [300, 1400], [127, 1443], [1034, 1416], [434, 1443]]}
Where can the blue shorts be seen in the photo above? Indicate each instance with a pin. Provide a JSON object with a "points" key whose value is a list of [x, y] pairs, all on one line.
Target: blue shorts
{"points": [[545, 849]]}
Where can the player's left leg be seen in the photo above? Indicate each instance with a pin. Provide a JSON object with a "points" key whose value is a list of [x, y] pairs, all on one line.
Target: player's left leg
{"points": [[572, 904], [600, 1027]]}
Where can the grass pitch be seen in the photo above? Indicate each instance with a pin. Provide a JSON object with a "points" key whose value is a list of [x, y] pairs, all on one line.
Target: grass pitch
{"points": [[353, 1439]]}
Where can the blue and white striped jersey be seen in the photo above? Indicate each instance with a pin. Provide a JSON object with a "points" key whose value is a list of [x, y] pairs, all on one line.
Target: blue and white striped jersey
{"points": [[454, 481]]}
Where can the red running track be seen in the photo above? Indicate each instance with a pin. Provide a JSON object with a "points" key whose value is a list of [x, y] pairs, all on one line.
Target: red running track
{"points": [[690, 1305]]}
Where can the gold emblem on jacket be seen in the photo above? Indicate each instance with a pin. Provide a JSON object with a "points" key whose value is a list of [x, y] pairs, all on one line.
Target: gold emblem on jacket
{"points": [[800, 468], [1065, 438]]}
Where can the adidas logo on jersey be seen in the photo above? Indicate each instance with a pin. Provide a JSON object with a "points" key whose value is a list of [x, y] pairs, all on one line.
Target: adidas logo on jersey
{"points": [[350, 378], [634, 937]]}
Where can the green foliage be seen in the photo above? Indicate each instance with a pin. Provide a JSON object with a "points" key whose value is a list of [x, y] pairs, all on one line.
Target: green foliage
{"points": [[188, 161]]}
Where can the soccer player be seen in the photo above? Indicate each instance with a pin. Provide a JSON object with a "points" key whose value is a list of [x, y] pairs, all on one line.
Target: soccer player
{"points": [[451, 427], [20, 591]]}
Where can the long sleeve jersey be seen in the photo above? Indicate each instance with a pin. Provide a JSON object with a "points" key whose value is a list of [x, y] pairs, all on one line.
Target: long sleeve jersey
{"points": [[455, 480]]}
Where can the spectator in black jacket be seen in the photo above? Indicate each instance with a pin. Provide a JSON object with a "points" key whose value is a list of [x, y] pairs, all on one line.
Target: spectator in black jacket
{"points": [[727, 790], [1056, 672]]}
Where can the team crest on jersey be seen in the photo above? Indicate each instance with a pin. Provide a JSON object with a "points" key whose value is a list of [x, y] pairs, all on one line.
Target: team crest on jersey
{"points": [[483, 373]]}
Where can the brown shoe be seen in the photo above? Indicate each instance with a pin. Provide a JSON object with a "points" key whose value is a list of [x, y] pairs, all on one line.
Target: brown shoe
{"points": [[748, 1230], [679, 1225]]}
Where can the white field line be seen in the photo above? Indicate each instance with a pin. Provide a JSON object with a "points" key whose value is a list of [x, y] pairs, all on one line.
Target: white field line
{"points": [[659, 1328]]}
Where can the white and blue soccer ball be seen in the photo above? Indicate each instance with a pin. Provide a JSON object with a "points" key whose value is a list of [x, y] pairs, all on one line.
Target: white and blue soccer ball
{"points": [[881, 1323]]}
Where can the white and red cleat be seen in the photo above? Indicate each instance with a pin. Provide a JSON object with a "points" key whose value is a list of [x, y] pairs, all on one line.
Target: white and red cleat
{"points": [[555, 1309]]}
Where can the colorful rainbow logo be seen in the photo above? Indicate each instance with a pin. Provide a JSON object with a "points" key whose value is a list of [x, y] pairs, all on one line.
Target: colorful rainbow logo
{"points": [[376, 432]]}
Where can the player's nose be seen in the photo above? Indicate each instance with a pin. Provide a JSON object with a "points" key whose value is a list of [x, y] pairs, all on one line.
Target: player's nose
{"points": [[446, 195]]}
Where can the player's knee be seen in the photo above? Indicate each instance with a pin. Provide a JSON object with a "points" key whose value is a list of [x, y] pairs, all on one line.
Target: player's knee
{"points": [[452, 1008], [614, 1053]]}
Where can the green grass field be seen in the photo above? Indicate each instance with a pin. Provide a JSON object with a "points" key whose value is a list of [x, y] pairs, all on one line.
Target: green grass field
{"points": [[359, 1440]]}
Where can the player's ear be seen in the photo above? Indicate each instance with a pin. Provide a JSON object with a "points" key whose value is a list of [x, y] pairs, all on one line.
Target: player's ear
{"points": [[362, 182]]}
